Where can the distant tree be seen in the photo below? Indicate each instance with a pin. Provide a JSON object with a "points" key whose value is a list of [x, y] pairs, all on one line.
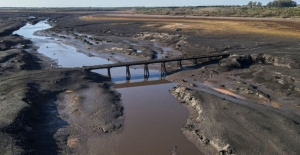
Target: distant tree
{"points": [[293, 3], [282, 3], [254, 3], [269, 4], [250, 4], [259, 4]]}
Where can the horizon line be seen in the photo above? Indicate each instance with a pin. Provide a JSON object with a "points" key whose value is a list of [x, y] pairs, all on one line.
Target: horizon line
{"points": [[116, 6]]}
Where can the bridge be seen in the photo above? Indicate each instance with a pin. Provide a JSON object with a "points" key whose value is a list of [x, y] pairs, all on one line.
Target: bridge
{"points": [[147, 62]]}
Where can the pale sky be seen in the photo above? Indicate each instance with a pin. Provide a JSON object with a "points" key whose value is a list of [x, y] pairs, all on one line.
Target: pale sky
{"points": [[120, 3]]}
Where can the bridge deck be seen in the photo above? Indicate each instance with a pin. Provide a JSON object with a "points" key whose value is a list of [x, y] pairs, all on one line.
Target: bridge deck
{"points": [[153, 61]]}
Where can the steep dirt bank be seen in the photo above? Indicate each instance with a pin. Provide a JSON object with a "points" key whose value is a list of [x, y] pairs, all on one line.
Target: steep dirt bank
{"points": [[240, 103], [220, 126]]}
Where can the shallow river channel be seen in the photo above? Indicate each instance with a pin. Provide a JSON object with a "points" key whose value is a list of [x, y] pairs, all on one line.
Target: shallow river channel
{"points": [[153, 117]]}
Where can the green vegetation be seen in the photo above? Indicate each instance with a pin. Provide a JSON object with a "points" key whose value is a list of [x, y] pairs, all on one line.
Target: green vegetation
{"points": [[224, 11], [282, 3], [254, 4], [277, 8]]}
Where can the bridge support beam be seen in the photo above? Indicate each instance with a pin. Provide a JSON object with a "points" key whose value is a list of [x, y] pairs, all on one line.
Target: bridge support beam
{"points": [[108, 73], [146, 71], [86, 70], [195, 62], [179, 64], [163, 69], [128, 73]]}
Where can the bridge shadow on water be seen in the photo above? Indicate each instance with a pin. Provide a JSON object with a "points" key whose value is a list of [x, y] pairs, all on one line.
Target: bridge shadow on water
{"points": [[136, 78]]}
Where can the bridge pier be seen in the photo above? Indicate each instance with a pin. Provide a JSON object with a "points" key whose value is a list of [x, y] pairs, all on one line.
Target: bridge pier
{"points": [[195, 62], [108, 73], [178, 60], [163, 69], [146, 71], [85, 70], [179, 64], [128, 73]]}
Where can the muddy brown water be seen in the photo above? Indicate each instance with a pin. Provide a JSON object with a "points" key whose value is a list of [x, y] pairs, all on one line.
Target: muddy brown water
{"points": [[153, 117], [153, 124]]}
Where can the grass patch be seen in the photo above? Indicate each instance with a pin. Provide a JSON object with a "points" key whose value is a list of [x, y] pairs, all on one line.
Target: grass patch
{"points": [[207, 26], [226, 11]]}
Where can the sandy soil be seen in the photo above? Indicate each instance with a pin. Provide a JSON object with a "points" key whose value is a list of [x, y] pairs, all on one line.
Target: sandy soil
{"points": [[247, 103]]}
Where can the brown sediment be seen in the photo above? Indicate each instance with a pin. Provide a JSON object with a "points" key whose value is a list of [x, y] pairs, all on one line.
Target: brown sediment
{"points": [[263, 68], [222, 126], [210, 25], [228, 93]]}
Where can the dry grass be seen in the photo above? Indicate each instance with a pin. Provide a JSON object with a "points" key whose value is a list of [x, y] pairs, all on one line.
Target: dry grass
{"points": [[275, 105], [225, 11], [227, 92], [69, 91], [207, 26], [73, 142], [296, 105]]}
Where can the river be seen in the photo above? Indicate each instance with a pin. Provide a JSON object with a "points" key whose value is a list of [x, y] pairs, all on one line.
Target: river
{"points": [[153, 117]]}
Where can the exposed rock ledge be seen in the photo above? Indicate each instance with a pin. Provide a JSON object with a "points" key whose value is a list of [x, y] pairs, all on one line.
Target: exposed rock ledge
{"points": [[219, 126]]}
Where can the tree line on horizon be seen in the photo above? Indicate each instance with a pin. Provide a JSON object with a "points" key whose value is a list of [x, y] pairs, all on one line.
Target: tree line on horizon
{"points": [[282, 3], [254, 4], [275, 3]]}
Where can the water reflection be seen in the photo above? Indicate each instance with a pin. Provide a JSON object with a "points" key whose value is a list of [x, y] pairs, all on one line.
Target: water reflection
{"points": [[28, 30], [141, 83]]}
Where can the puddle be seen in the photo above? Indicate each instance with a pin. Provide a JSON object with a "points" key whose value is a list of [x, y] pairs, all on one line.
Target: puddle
{"points": [[153, 117], [31, 17]]}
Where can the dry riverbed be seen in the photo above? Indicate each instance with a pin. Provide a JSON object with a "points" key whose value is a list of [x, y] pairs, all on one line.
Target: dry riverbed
{"points": [[247, 103]]}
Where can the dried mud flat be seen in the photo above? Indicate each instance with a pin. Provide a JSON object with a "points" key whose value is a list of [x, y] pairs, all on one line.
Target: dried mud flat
{"points": [[50, 111], [247, 103]]}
